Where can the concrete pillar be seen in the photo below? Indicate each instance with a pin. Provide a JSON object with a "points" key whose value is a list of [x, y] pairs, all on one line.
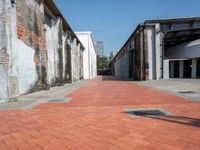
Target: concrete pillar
{"points": [[172, 69], [158, 64], [151, 52], [181, 69], [194, 68], [141, 53], [159, 52], [166, 69]]}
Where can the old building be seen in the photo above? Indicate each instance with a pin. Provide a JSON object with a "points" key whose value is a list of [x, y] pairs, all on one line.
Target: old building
{"points": [[38, 48], [89, 55], [99, 45], [160, 49]]}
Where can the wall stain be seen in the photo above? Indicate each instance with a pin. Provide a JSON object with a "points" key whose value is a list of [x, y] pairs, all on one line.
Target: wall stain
{"points": [[4, 58]]}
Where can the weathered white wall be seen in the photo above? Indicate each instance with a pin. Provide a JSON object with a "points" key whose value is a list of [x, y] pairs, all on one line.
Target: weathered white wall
{"points": [[151, 52], [19, 76], [8, 53], [76, 62], [53, 56], [155, 51], [84, 40], [122, 67], [3, 49], [92, 57], [89, 55], [26, 66], [27, 75], [75, 58], [158, 43], [18, 73], [51, 41], [184, 51], [64, 39], [166, 69]]}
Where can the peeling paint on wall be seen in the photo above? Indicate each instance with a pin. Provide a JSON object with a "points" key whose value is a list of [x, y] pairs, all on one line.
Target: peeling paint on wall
{"points": [[13, 86], [35, 52], [4, 58], [31, 30], [59, 52], [67, 76]]}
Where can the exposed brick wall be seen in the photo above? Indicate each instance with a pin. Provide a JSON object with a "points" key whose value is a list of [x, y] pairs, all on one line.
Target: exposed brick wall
{"points": [[21, 31], [30, 23], [24, 33], [31, 30]]}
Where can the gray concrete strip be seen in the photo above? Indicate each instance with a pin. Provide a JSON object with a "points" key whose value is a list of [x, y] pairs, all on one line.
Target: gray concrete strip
{"points": [[186, 88], [31, 100]]}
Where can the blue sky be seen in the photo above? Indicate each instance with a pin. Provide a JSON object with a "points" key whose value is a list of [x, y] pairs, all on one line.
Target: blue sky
{"points": [[113, 21]]}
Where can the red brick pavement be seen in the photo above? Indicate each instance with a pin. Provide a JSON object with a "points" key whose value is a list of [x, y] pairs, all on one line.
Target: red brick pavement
{"points": [[95, 120]]}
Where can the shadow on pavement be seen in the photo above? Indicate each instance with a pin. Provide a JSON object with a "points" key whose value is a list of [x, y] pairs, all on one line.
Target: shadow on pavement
{"points": [[180, 120], [176, 119], [113, 78]]}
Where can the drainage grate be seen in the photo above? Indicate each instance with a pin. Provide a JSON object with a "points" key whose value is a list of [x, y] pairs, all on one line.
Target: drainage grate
{"points": [[186, 92], [149, 112], [56, 100]]}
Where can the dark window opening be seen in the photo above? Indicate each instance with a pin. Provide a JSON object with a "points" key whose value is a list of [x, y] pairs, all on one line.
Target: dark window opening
{"points": [[176, 69], [187, 68], [198, 68]]}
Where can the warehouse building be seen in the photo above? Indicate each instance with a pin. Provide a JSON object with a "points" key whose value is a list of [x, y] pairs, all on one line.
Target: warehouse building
{"points": [[89, 55], [38, 48], [160, 49]]}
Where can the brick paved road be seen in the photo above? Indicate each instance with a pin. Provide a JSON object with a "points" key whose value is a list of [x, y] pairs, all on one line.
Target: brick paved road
{"points": [[95, 120]]}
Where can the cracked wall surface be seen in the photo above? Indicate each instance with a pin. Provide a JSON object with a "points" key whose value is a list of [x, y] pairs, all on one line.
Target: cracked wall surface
{"points": [[36, 50], [30, 30], [64, 53], [8, 55]]}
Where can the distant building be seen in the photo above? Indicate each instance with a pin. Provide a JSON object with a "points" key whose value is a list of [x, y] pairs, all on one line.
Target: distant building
{"points": [[99, 45], [113, 53], [89, 55]]}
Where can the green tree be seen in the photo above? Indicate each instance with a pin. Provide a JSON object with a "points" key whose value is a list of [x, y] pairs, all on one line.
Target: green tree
{"points": [[102, 65]]}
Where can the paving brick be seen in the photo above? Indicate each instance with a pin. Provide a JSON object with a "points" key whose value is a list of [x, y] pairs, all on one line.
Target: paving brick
{"points": [[96, 119]]}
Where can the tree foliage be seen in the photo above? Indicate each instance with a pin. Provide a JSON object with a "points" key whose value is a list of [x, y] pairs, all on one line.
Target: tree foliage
{"points": [[102, 65]]}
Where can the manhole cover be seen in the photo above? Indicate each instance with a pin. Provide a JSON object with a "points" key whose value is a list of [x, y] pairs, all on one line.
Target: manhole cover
{"points": [[56, 100], [149, 112], [186, 92]]}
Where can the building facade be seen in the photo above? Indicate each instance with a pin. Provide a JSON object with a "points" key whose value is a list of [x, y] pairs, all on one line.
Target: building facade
{"points": [[89, 55], [38, 48], [99, 45], [160, 49]]}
